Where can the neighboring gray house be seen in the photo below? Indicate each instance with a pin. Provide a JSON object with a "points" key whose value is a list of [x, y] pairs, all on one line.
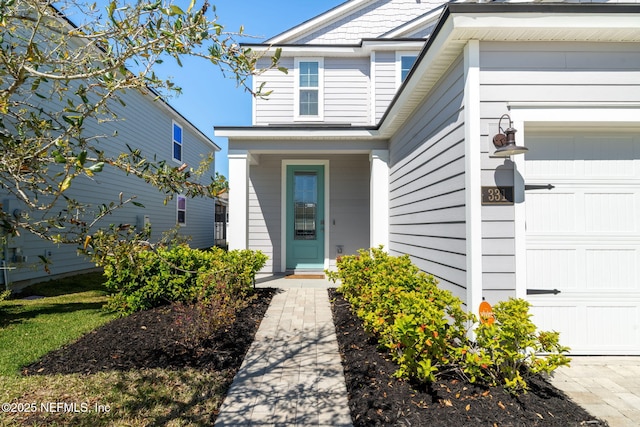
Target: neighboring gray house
{"points": [[381, 134], [151, 125], [155, 128]]}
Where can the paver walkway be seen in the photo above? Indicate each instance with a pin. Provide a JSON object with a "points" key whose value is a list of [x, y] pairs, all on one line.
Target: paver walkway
{"points": [[608, 387], [292, 374]]}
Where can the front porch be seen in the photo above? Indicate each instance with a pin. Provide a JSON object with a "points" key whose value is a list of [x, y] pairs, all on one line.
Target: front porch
{"points": [[349, 205]]}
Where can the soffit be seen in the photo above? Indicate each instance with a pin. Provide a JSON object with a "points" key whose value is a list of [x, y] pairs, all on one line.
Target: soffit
{"points": [[464, 22]]}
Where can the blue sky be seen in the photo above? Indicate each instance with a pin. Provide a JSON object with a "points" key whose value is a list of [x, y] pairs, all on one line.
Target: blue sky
{"points": [[208, 98]]}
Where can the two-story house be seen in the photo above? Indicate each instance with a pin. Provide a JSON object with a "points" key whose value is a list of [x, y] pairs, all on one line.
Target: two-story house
{"points": [[406, 123]]}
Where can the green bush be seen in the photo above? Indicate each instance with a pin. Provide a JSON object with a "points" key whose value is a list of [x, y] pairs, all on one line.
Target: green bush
{"points": [[421, 324], [149, 278], [427, 331], [509, 348]]}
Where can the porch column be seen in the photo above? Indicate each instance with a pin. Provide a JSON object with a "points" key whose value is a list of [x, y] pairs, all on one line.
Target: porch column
{"points": [[379, 199], [238, 199]]}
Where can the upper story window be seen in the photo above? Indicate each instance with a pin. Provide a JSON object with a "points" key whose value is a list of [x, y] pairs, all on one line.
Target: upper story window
{"points": [[404, 63], [176, 143], [181, 208], [309, 88]]}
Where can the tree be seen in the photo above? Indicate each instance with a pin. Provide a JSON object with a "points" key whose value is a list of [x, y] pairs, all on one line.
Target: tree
{"points": [[56, 76]]}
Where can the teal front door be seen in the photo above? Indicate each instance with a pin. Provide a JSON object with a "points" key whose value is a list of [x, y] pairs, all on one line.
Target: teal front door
{"points": [[305, 217]]}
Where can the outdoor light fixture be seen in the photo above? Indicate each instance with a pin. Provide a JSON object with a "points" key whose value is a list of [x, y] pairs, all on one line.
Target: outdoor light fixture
{"points": [[505, 140]]}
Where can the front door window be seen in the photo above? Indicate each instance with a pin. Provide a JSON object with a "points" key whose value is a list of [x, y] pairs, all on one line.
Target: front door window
{"points": [[305, 202]]}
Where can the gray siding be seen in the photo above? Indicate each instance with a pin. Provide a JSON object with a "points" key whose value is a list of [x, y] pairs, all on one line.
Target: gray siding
{"points": [[538, 72], [427, 185], [348, 221], [145, 124], [346, 93], [385, 82], [278, 106], [347, 90]]}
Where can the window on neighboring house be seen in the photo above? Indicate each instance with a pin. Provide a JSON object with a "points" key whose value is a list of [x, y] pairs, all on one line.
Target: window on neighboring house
{"points": [[309, 89], [177, 142], [181, 205], [405, 63]]}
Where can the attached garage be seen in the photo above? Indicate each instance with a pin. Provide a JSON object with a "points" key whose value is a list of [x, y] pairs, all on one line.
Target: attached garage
{"points": [[583, 236]]}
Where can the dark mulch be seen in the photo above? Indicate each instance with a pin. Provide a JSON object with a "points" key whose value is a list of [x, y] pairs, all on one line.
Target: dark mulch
{"points": [[152, 339], [376, 398]]}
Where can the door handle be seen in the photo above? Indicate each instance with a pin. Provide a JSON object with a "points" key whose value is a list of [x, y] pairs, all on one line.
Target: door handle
{"points": [[539, 187], [542, 291]]}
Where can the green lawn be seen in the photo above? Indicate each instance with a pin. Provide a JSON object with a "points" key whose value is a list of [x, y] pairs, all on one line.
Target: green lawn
{"points": [[31, 328], [136, 398]]}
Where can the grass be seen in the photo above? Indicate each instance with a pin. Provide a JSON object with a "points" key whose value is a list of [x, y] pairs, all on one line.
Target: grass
{"points": [[72, 307], [31, 328]]}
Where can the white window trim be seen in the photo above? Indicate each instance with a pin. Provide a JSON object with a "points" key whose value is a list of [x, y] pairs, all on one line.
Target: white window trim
{"points": [[181, 224], [399, 56], [296, 94], [173, 125]]}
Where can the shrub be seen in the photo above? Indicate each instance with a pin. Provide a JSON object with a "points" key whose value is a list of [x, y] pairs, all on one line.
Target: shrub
{"points": [[509, 348], [421, 324], [216, 307], [427, 331], [149, 278]]}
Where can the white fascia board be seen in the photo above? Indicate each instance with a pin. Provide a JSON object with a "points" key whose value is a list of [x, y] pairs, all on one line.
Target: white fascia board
{"points": [[302, 133], [429, 18], [422, 69], [317, 22], [367, 46], [564, 22]]}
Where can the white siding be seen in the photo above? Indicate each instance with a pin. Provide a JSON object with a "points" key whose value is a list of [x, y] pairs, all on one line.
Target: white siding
{"points": [[348, 222], [427, 183]]}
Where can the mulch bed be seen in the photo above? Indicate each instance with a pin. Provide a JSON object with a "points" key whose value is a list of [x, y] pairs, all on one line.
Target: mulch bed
{"points": [[151, 339], [377, 398]]}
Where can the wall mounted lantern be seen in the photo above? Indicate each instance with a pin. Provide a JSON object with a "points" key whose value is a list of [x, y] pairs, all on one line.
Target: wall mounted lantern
{"points": [[505, 140]]}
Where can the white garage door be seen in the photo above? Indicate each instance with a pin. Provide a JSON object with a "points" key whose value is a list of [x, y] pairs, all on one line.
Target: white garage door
{"points": [[583, 239]]}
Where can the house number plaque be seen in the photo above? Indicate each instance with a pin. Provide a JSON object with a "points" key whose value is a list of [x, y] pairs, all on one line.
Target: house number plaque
{"points": [[497, 195]]}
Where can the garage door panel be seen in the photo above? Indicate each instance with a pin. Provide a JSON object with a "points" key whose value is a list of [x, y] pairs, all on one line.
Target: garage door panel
{"points": [[610, 212], [590, 327], [612, 327], [559, 272], [558, 318], [611, 269], [551, 212]]}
